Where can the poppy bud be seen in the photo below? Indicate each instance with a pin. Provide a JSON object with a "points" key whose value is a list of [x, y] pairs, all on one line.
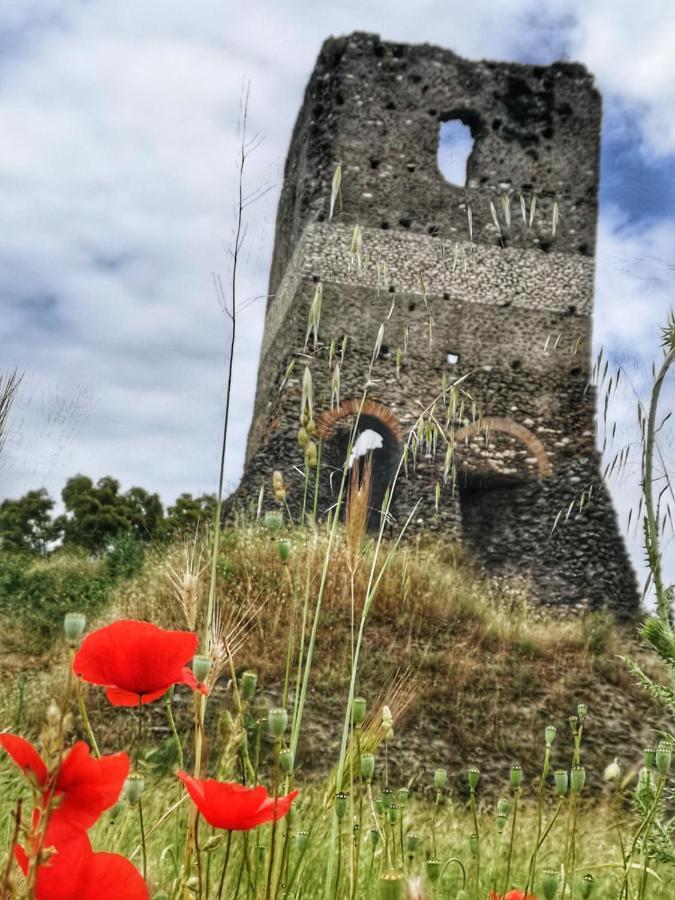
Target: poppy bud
{"points": [[341, 805], [433, 870], [577, 779], [503, 807], [133, 788], [286, 761], [650, 759], [358, 710], [473, 776], [440, 778], [663, 757], [403, 794], [301, 838], [561, 781], [277, 721], [392, 813], [612, 771], [473, 844], [516, 776], [374, 837], [412, 842], [587, 885], [247, 685], [284, 549], [392, 885], [200, 668], [367, 766], [549, 735], [582, 711], [273, 521], [73, 625], [550, 883]]}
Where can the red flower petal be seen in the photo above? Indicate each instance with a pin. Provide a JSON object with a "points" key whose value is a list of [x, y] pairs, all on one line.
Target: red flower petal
{"points": [[89, 786], [232, 806], [118, 697], [75, 872], [25, 756], [135, 657]]}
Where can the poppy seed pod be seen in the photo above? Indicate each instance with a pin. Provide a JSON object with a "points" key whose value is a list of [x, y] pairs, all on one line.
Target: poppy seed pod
{"points": [[500, 822], [473, 844], [367, 766], [284, 549], [561, 780], [273, 521], [549, 735], [440, 778], [582, 712], [433, 870], [358, 710], [247, 685], [301, 838], [392, 885], [341, 805], [650, 758], [577, 779], [403, 795], [387, 797], [133, 788], [392, 813], [379, 806], [573, 723], [412, 842], [550, 884], [516, 777], [73, 625], [374, 837], [663, 758], [277, 721], [586, 887], [473, 775], [503, 807], [200, 668], [286, 761]]}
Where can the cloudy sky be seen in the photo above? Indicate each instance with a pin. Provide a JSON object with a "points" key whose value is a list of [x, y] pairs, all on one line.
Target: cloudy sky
{"points": [[117, 177]]}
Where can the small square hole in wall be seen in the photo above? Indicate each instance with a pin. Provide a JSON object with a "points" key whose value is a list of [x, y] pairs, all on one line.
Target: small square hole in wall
{"points": [[452, 359]]}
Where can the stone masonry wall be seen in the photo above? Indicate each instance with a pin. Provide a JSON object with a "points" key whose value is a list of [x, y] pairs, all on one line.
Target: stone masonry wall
{"points": [[509, 316]]}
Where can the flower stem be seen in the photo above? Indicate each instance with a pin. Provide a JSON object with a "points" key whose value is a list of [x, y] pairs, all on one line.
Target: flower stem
{"points": [[228, 844], [85, 719]]}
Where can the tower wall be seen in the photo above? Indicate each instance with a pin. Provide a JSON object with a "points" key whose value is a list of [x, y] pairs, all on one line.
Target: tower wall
{"points": [[511, 312]]}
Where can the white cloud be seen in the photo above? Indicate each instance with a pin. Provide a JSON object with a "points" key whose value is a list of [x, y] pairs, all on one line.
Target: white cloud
{"points": [[117, 186]]}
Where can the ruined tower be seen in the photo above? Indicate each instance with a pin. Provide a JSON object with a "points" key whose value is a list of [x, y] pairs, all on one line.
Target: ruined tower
{"points": [[506, 303]]}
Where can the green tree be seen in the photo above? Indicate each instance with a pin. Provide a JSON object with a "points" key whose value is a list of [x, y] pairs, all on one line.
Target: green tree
{"points": [[97, 514], [190, 514], [26, 523]]}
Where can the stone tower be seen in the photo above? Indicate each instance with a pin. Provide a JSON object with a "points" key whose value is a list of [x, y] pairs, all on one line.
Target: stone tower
{"points": [[508, 308]]}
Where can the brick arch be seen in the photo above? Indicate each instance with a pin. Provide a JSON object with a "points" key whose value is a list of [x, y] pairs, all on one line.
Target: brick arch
{"points": [[514, 429], [326, 422]]}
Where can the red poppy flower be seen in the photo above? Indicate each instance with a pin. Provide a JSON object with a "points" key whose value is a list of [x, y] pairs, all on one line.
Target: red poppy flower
{"points": [[136, 661], [228, 805], [85, 787], [511, 895], [75, 872]]}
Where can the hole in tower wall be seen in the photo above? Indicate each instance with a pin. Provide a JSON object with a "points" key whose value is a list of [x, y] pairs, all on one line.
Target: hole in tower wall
{"points": [[454, 148]]}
